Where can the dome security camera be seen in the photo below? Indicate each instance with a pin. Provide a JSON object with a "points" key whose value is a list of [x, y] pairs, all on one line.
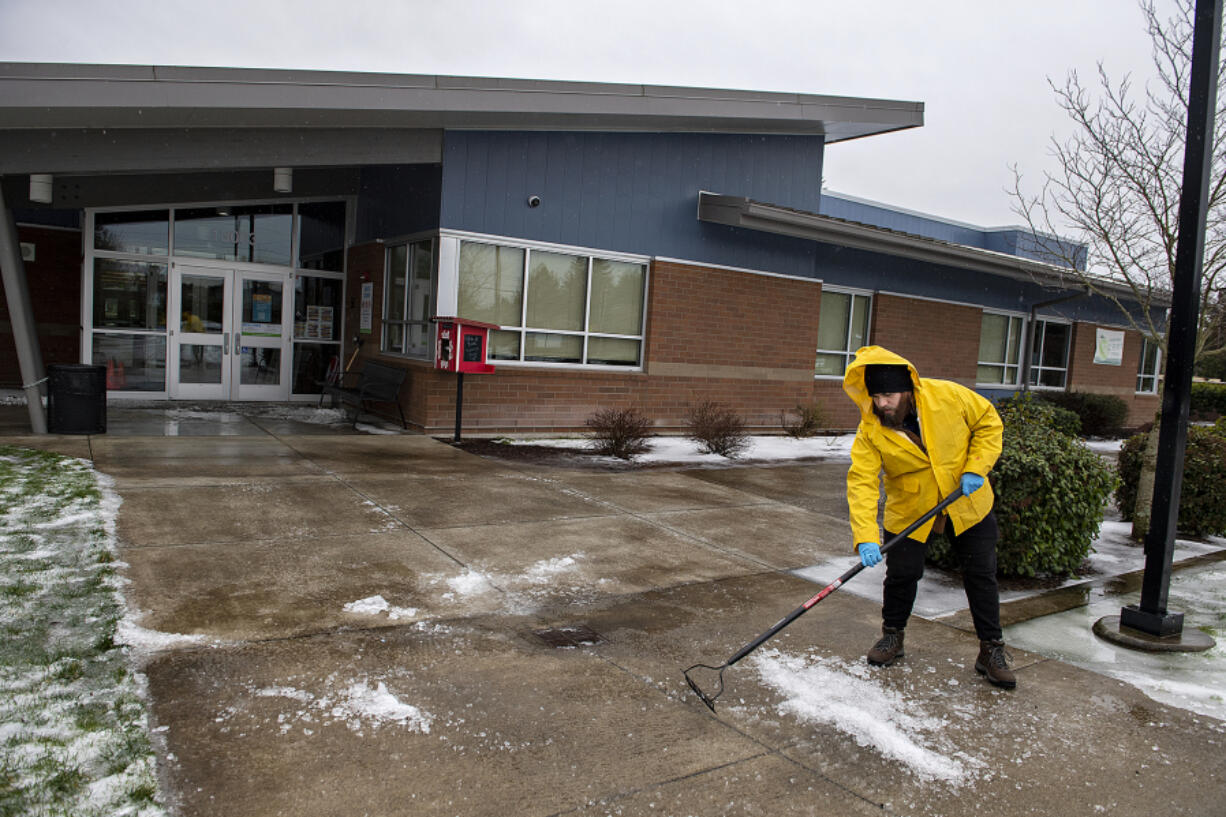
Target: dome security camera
{"points": [[534, 201]]}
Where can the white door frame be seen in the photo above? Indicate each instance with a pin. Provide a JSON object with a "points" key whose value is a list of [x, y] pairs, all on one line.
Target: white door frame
{"points": [[236, 342]]}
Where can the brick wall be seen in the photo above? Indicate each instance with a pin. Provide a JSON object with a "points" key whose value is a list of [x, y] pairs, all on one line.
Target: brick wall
{"points": [[713, 334], [940, 339], [737, 338], [54, 280], [1087, 376]]}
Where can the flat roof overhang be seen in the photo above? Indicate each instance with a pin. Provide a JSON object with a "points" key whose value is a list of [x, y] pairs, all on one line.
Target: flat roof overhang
{"points": [[52, 114], [738, 211]]}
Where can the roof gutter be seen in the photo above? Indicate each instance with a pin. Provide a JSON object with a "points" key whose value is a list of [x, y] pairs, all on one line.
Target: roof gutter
{"points": [[737, 211]]}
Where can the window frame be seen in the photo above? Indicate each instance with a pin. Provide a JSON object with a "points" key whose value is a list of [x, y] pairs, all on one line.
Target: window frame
{"points": [[1148, 343], [1040, 338], [847, 352], [426, 321], [523, 330], [1018, 365]]}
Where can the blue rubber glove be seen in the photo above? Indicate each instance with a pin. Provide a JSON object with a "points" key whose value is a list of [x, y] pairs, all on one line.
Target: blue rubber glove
{"points": [[870, 554], [971, 483]]}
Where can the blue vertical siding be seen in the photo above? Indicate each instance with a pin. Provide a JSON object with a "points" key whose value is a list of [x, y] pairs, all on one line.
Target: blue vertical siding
{"points": [[631, 192]]}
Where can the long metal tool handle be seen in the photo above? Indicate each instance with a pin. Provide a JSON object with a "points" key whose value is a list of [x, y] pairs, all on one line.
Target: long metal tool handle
{"points": [[840, 581]]}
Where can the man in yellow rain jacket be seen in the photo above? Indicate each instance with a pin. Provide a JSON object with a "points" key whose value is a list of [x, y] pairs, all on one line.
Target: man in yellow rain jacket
{"points": [[930, 438]]}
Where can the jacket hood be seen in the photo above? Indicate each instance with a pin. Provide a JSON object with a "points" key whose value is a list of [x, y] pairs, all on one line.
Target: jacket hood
{"points": [[853, 379]]}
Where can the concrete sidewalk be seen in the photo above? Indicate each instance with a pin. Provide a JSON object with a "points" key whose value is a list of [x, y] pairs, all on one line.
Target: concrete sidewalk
{"points": [[453, 700]]}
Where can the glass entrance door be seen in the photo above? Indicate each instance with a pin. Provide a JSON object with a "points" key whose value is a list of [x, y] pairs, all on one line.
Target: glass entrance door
{"points": [[230, 342]]}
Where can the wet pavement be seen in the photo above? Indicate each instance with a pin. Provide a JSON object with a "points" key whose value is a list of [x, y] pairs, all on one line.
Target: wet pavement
{"points": [[259, 536]]}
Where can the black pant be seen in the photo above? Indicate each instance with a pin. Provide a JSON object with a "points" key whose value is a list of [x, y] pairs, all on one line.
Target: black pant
{"points": [[976, 549]]}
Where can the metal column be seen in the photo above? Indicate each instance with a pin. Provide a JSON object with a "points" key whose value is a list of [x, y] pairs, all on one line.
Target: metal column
{"points": [[21, 315], [1151, 615]]}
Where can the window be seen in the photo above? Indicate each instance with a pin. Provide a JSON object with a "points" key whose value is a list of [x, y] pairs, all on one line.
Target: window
{"points": [[317, 331], [841, 330], [408, 299], [554, 307], [1049, 355], [1000, 349], [260, 234], [1147, 369]]}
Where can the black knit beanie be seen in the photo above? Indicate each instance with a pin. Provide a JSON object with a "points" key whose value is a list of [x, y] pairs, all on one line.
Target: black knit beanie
{"points": [[882, 378]]}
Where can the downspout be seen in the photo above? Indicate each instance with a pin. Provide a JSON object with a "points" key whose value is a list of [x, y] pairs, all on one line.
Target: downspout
{"points": [[1028, 350], [21, 316]]}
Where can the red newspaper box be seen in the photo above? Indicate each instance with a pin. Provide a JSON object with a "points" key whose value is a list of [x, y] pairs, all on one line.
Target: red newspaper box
{"points": [[460, 345]]}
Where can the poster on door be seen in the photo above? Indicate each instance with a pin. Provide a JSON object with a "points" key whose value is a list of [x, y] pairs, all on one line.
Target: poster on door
{"points": [[261, 308]]}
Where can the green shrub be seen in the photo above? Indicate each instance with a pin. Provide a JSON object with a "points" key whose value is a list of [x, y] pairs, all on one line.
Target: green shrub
{"points": [[1102, 415], [1051, 491], [1212, 365], [717, 429], [1202, 498], [1024, 407], [619, 433], [806, 420], [1208, 400], [1219, 427]]}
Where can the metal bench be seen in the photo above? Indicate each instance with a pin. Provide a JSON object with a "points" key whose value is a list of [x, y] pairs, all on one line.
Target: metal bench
{"points": [[376, 383]]}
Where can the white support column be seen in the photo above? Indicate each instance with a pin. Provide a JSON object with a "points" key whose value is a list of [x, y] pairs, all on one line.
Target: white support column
{"points": [[21, 316]]}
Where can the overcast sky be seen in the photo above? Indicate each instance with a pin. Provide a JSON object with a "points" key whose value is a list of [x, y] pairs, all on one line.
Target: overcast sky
{"points": [[980, 68]]}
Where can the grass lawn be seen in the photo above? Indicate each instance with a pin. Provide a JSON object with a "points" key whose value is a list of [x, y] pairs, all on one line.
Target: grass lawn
{"points": [[73, 720]]}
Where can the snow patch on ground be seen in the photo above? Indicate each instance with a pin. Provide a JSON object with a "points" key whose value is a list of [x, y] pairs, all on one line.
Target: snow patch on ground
{"points": [[357, 705], [831, 692], [377, 604], [682, 450]]}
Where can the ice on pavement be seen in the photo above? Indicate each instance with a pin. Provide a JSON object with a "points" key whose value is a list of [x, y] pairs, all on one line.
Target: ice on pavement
{"points": [[1195, 681], [831, 692]]}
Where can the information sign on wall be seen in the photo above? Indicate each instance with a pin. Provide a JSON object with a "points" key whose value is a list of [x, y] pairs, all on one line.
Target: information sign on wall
{"points": [[368, 304], [1108, 347]]}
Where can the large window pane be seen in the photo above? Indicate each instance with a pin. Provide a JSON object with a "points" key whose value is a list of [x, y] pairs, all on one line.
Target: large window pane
{"points": [[258, 234], [397, 281], [141, 233], [503, 346], [312, 362], [491, 286], [617, 297], [835, 318], [557, 291], [842, 329], [613, 351], [999, 344], [317, 312], [261, 313], [202, 299], [129, 294], [1147, 367], [1055, 345], [1049, 356], [321, 236], [135, 362], [553, 348]]}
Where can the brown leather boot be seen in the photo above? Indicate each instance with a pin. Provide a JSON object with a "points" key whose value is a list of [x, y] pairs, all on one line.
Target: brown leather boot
{"points": [[888, 649], [993, 663]]}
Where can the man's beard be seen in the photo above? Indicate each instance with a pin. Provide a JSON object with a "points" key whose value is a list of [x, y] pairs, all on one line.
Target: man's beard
{"points": [[897, 418]]}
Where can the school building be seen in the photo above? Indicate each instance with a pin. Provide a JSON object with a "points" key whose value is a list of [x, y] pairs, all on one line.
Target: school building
{"points": [[236, 234]]}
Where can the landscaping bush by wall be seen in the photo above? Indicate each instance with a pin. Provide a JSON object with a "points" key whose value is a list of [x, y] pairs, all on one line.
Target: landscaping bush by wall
{"points": [[1051, 491], [1208, 400], [1102, 415], [1202, 498]]}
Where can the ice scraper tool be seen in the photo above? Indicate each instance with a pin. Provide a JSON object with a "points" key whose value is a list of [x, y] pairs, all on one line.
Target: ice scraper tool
{"points": [[709, 699]]}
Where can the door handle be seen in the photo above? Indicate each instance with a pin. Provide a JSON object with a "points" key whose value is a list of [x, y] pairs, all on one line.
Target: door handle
{"points": [[225, 343], [238, 343]]}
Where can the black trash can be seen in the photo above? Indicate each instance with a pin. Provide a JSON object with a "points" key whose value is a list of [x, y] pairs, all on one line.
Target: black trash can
{"points": [[76, 398]]}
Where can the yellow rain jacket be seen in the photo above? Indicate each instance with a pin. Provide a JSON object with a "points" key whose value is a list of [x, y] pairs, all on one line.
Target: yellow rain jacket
{"points": [[961, 431]]}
